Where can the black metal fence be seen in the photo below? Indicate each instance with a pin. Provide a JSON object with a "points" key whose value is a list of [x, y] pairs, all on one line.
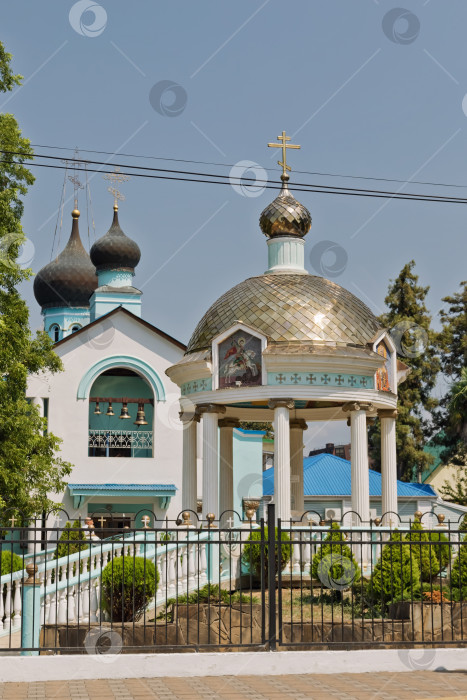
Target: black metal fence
{"points": [[193, 585]]}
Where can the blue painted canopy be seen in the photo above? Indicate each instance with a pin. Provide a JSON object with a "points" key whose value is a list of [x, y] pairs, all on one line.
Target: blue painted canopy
{"points": [[122, 489], [327, 475]]}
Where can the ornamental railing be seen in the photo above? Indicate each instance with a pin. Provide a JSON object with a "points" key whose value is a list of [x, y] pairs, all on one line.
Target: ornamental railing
{"points": [[105, 442]]}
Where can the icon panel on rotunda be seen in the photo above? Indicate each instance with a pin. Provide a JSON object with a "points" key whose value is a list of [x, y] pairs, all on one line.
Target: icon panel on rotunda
{"points": [[240, 360]]}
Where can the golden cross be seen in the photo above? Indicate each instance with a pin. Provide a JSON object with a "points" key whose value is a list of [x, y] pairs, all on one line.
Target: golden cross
{"points": [[13, 520], [116, 178], [146, 520], [102, 520], [284, 145]]}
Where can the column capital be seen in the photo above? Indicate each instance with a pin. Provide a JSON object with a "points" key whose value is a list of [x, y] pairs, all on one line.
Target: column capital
{"points": [[281, 403], [387, 413], [187, 417], [228, 423], [298, 424], [358, 406], [210, 408]]}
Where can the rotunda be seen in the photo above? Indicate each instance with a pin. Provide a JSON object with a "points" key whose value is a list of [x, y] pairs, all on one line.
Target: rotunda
{"points": [[287, 347]]}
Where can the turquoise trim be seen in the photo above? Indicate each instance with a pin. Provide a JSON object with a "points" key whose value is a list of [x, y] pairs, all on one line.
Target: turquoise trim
{"points": [[115, 278], [102, 303], [196, 385], [103, 490], [133, 363], [65, 318], [348, 381]]}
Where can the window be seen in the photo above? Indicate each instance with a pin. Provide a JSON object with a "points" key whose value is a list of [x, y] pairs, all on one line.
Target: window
{"points": [[75, 328], [55, 333]]}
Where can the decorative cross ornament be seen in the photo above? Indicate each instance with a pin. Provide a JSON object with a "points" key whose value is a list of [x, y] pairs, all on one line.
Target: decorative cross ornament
{"points": [[116, 178], [146, 520], [284, 145], [13, 520], [230, 522], [102, 520]]}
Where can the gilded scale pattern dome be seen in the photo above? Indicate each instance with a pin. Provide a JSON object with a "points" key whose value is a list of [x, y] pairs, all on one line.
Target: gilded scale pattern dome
{"points": [[70, 279], [289, 307], [285, 216]]}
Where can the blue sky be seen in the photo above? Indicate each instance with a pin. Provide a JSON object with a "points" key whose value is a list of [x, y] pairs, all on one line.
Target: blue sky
{"points": [[359, 98]]}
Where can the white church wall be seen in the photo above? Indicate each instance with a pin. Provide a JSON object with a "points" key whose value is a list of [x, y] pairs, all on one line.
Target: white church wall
{"points": [[119, 335]]}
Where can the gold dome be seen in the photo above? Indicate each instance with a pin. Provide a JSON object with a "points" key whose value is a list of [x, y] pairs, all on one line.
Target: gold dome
{"points": [[289, 307], [285, 216]]}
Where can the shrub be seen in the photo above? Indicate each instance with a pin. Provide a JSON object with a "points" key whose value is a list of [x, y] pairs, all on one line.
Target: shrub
{"points": [[424, 553], [396, 575], [211, 594], [463, 524], [334, 564], [442, 548], [71, 540], [128, 585], [459, 569], [251, 555], [10, 562]]}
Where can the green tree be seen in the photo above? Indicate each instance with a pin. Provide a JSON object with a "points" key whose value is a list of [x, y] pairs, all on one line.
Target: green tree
{"points": [[251, 552], [451, 418], [29, 467], [456, 492], [459, 572], [72, 540], [423, 553], [396, 575], [409, 322], [334, 564], [255, 425]]}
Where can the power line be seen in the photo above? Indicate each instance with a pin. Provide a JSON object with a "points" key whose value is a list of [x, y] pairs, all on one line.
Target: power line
{"points": [[353, 193], [244, 180], [232, 165]]}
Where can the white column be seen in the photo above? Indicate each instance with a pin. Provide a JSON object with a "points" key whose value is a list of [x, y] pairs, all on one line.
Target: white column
{"points": [[282, 457], [297, 427], [34, 532], [210, 413], [388, 466], [189, 473], [226, 502], [360, 477]]}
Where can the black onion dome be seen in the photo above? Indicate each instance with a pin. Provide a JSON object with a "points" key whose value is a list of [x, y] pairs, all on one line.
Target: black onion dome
{"points": [[115, 250], [70, 279]]}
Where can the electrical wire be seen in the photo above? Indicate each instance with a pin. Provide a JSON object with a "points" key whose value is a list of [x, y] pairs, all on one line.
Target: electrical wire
{"points": [[308, 188], [232, 165]]}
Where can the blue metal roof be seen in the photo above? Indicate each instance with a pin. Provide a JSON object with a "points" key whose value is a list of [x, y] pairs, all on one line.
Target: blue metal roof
{"points": [[327, 475]]}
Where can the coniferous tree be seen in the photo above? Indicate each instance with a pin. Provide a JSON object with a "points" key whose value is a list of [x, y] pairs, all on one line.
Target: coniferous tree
{"points": [[409, 322], [424, 553], [451, 419], [29, 467]]}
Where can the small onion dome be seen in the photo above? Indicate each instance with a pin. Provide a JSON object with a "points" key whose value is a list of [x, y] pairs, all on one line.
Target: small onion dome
{"points": [[285, 216], [70, 279], [115, 251]]}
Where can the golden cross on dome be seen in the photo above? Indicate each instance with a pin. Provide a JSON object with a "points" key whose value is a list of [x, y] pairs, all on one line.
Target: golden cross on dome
{"points": [[284, 145], [116, 178]]}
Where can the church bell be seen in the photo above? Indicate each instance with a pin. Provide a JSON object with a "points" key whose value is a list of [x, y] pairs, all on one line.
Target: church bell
{"points": [[97, 410], [110, 411], [124, 412], [140, 416]]}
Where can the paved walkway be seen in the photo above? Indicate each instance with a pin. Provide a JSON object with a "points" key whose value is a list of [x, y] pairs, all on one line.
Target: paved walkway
{"points": [[364, 686]]}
